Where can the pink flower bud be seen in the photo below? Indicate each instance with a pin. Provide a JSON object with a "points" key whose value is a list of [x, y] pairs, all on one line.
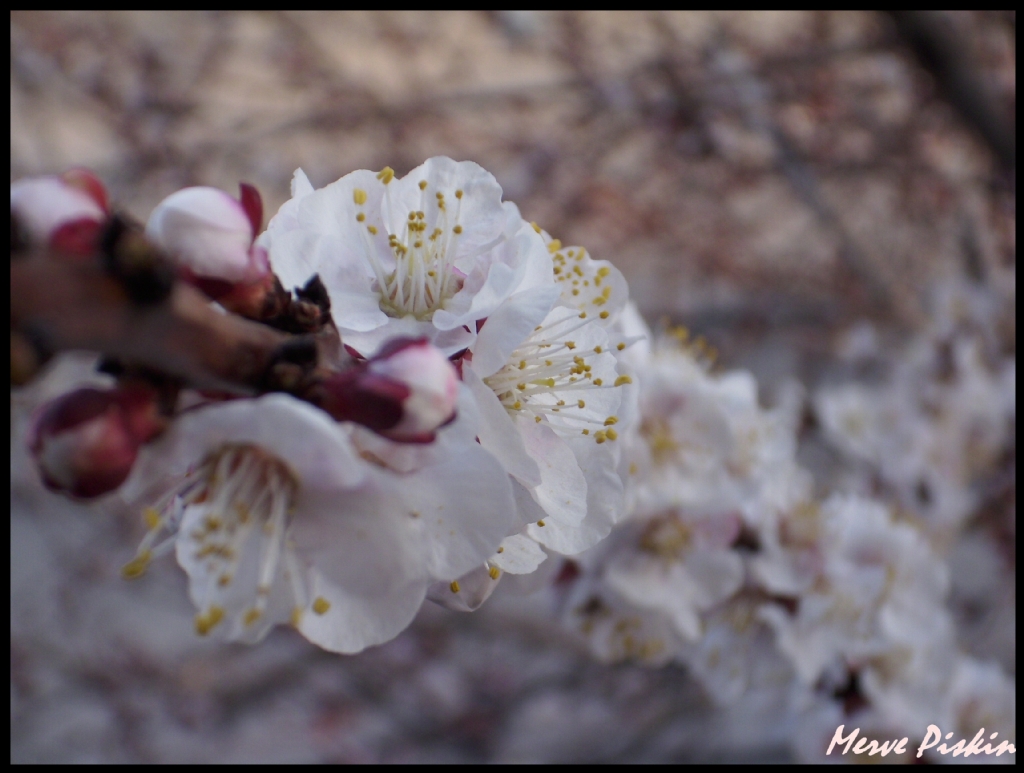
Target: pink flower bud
{"points": [[85, 442], [430, 378], [405, 392], [65, 213], [210, 235]]}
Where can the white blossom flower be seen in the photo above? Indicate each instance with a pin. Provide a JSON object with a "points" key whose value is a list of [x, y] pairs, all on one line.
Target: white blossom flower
{"points": [[277, 514], [707, 443], [881, 586], [428, 254]]}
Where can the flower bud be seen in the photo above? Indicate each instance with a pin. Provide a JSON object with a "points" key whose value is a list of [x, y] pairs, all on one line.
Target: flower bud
{"points": [[65, 213], [85, 442], [405, 392], [209, 235]]}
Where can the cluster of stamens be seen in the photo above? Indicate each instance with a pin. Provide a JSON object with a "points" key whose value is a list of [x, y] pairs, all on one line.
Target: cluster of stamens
{"points": [[238, 490], [547, 376], [423, 277]]}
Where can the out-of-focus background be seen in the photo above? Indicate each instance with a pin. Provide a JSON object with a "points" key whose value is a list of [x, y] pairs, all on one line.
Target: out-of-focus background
{"points": [[768, 179]]}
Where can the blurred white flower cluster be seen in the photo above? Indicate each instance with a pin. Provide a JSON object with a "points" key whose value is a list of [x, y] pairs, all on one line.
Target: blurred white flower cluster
{"points": [[827, 607]]}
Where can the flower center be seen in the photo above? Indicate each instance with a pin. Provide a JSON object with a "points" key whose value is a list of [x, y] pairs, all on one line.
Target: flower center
{"points": [[424, 250], [235, 503], [548, 374]]}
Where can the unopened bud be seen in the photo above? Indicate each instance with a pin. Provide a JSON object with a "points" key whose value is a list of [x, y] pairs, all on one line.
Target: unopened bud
{"points": [[209, 235], [64, 213], [406, 392], [85, 442]]}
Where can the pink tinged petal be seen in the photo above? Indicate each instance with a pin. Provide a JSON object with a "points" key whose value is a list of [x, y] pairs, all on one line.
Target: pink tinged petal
{"points": [[206, 231], [562, 492], [498, 434], [508, 326], [252, 203], [44, 204], [89, 183], [519, 555], [468, 592]]}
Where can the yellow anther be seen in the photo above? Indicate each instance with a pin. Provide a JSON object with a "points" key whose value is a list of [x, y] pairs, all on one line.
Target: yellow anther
{"points": [[612, 434], [439, 195], [252, 616], [575, 292], [137, 566], [224, 580], [554, 246], [360, 217], [632, 468], [417, 245], [560, 402], [558, 270], [522, 365], [517, 405], [420, 215], [583, 315], [536, 227], [598, 382], [152, 517], [321, 605], [547, 362], [371, 229], [620, 346], [548, 382], [206, 622], [577, 270], [604, 271], [359, 195], [598, 350], [457, 229], [454, 586], [611, 420], [580, 404], [623, 380], [600, 436], [586, 432], [423, 185], [537, 419], [570, 345], [520, 387], [412, 216], [603, 315], [501, 550], [494, 572], [296, 616], [540, 523], [458, 194], [386, 175]]}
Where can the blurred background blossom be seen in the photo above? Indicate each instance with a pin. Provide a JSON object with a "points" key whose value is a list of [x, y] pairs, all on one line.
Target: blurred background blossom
{"points": [[794, 187]]}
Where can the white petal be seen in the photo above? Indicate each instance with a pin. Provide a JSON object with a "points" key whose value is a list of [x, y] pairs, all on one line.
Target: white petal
{"points": [[474, 588], [509, 326], [519, 555], [562, 492], [498, 434], [357, 620]]}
